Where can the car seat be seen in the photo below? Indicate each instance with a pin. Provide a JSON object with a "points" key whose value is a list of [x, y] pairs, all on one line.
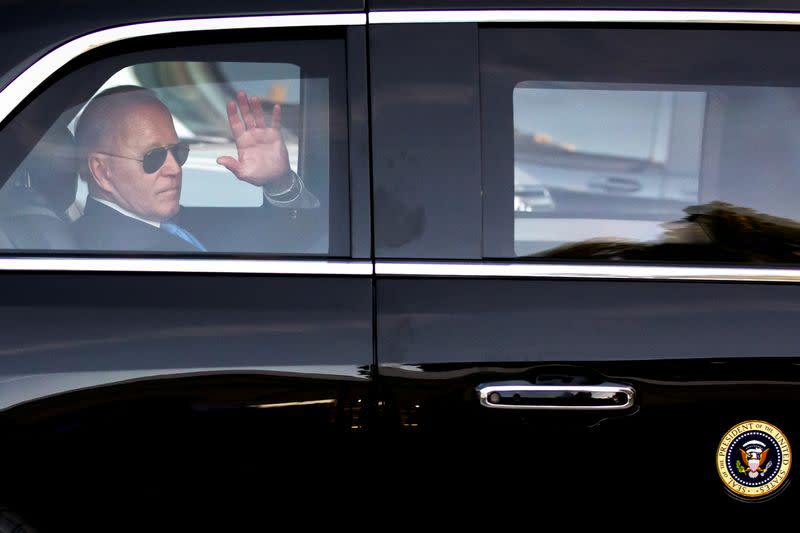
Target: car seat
{"points": [[34, 200]]}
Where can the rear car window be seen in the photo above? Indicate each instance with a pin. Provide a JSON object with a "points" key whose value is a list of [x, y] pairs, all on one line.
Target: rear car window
{"points": [[594, 162], [629, 150]]}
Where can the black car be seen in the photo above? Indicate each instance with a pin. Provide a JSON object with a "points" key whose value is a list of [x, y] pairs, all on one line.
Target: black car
{"points": [[490, 251]]}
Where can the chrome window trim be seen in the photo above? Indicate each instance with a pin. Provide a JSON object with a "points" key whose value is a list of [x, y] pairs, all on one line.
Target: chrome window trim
{"points": [[583, 16], [24, 84], [322, 267], [588, 271]]}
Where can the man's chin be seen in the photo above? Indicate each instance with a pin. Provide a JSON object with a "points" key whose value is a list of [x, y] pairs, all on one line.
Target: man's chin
{"points": [[169, 212]]}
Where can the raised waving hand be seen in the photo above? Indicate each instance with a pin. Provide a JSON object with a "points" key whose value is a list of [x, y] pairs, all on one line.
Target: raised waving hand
{"points": [[262, 155]]}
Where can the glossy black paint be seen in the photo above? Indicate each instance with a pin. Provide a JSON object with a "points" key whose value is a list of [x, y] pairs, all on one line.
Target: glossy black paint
{"points": [[701, 356], [236, 320], [425, 141], [66, 332], [659, 454], [514, 320], [176, 380], [180, 445]]}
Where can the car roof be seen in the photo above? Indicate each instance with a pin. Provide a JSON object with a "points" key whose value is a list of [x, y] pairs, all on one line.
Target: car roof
{"points": [[30, 29], [34, 28]]}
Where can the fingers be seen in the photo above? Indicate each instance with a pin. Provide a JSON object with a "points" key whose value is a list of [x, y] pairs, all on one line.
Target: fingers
{"points": [[244, 108], [258, 111], [230, 163], [235, 122], [276, 117], [252, 114]]}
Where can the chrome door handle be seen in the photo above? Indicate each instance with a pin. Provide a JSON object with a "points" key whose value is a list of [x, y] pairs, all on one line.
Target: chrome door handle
{"points": [[606, 396]]}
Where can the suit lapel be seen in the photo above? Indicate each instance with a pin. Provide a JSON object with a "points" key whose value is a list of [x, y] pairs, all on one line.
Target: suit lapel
{"points": [[104, 228]]}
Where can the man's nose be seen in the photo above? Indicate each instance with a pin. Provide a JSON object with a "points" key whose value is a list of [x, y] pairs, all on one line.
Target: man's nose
{"points": [[170, 166]]}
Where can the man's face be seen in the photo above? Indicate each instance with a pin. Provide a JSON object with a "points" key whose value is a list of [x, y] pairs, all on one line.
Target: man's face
{"points": [[137, 130]]}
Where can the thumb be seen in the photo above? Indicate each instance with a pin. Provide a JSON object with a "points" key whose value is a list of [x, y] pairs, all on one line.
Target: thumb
{"points": [[230, 163]]}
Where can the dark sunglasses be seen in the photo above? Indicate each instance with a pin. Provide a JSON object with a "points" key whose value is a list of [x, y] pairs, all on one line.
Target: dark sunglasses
{"points": [[155, 158]]}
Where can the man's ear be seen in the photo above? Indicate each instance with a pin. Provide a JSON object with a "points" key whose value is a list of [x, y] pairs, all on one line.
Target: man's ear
{"points": [[98, 166]]}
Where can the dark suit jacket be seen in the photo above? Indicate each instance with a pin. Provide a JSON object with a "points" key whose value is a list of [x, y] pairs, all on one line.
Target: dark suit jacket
{"points": [[260, 230], [104, 228]]}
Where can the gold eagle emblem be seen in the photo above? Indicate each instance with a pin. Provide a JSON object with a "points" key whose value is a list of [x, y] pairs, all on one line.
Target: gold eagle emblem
{"points": [[753, 459]]}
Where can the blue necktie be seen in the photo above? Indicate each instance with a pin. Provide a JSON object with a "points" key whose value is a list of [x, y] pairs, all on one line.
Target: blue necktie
{"points": [[171, 227]]}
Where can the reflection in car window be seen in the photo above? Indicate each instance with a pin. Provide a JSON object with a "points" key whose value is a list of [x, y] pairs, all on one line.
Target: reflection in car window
{"points": [[655, 172]]}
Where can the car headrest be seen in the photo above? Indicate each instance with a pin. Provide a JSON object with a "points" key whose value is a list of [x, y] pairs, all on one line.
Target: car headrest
{"points": [[51, 170]]}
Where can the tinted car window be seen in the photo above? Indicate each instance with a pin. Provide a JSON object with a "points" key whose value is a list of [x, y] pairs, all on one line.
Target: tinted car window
{"points": [[270, 186], [627, 150], [196, 94], [596, 162]]}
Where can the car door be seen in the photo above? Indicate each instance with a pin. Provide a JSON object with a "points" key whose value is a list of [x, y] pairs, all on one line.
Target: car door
{"points": [[143, 360], [584, 235]]}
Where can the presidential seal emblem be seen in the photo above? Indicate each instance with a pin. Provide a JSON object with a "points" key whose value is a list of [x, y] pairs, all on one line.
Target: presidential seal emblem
{"points": [[753, 459]]}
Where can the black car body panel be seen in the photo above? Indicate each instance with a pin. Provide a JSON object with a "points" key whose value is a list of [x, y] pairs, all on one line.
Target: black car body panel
{"points": [[370, 360], [475, 313]]}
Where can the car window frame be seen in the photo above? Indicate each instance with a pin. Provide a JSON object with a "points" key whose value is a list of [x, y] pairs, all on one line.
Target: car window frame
{"points": [[36, 80]]}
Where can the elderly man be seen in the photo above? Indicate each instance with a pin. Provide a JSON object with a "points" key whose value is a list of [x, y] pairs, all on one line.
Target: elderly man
{"points": [[133, 161]]}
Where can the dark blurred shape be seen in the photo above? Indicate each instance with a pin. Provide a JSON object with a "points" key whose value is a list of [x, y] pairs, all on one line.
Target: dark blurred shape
{"points": [[407, 223], [51, 169], [34, 201], [716, 231]]}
